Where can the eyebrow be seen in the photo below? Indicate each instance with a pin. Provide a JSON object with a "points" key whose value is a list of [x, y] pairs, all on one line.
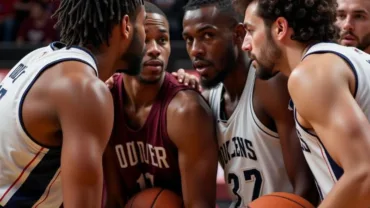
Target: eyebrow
{"points": [[201, 29], [163, 30], [247, 24], [206, 27], [357, 11]]}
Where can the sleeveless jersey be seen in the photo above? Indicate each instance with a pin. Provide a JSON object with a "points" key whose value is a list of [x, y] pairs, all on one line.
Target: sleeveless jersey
{"points": [[146, 157], [323, 167], [250, 153], [29, 172]]}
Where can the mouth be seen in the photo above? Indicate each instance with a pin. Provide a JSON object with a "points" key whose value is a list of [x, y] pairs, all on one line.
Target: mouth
{"points": [[153, 65], [349, 37], [201, 66]]}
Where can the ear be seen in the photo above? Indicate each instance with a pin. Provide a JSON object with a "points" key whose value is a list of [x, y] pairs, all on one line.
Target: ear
{"points": [[126, 27], [239, 33], [280, 28]]}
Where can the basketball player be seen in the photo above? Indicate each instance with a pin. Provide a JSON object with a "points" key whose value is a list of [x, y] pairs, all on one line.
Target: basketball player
{"points": [[330, 88], [56, 115], [164, 134], [353, 19], [258, 147]]}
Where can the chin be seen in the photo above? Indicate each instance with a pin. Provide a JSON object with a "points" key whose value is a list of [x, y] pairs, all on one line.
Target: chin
{"points": [[149, 79]]}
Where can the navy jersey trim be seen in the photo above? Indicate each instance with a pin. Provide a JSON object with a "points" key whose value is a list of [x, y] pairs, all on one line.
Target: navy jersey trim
{"points": [[58, 45], [346, 59], [37, 182], [43, 69], [338, 171]]}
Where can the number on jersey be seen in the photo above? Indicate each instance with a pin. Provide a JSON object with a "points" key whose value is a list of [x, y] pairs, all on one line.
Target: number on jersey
{"points": [[2, 91], [249, 176], [145, 181]]}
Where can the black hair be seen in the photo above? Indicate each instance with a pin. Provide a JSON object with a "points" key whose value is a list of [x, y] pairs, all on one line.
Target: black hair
{"points": [[224, 6], [90, 22], [152, 8]]}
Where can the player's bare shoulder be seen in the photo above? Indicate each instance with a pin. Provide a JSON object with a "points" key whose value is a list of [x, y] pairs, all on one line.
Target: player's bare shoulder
{"points": [[76, 85], [188, 101], [319, 71]]}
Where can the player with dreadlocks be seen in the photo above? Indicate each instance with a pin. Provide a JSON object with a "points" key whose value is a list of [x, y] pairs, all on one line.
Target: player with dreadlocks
{"points": [[258, 147], [56, 113]]}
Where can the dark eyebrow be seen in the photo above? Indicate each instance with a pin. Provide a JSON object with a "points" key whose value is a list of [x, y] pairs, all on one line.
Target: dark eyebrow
{"points": [[360, 11], [357, 11], [205, 27], [163, 30], [201, 29]]}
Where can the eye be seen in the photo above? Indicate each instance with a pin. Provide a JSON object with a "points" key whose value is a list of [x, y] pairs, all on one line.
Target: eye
{"points": [[359, 16], [208, 36], [162, 40], [341, 16], [188, 40]]}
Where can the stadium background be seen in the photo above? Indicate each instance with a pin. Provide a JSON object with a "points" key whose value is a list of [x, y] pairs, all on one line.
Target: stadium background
{"points": [[20, 33]]}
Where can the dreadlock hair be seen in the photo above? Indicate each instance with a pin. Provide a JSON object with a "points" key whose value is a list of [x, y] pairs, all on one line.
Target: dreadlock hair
{"points": [[152, 8], [223, 6], [90, 22]]}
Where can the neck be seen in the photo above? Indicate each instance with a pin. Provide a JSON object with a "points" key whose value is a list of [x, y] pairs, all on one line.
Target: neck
{"points": [[367, 50], [234, 82], [293, 56], [105, 65], [140, 94]]}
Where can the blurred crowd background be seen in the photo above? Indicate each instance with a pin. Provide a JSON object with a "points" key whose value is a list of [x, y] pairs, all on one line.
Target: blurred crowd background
{"points": [[29, 22]]}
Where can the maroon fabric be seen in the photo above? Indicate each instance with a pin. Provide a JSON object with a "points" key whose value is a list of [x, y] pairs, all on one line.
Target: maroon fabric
{"points": [[148, 152]]}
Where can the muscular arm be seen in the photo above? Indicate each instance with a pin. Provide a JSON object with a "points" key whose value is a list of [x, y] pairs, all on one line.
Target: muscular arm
{"points": [[85, 110], [323, 98], [276, 102], [191, 128]]}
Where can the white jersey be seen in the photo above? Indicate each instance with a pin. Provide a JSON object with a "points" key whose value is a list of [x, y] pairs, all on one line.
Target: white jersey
{"points": [[29, 172], [323, 167], [250, 153]]}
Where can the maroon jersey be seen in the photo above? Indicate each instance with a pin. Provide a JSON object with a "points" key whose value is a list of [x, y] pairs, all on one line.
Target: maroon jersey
{"points": [[146, 157]]}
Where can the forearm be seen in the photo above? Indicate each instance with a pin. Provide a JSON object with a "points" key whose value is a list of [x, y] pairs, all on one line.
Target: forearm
{"points": [[199, 185], [349, 191], [84, 196], [304, 186]]}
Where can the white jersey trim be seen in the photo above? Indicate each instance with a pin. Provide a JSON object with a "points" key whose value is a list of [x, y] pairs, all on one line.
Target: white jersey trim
{"points": [[20, 123]]}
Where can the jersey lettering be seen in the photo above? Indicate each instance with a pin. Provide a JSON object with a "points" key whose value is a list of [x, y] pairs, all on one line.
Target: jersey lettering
{"points": [[128, 155], [236, 147], [252, 175]]}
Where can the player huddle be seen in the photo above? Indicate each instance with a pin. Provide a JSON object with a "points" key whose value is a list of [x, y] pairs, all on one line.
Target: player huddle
{"points": [[283, 108]]}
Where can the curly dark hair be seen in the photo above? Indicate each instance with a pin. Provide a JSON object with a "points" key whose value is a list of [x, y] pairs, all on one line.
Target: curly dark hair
{"points": [[84, 22], [311, 20]]}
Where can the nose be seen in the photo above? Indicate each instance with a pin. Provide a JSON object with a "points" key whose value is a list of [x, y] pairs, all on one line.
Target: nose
{"points": [[247, 46], [153, 49], [348, 24], [197, 49]]}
